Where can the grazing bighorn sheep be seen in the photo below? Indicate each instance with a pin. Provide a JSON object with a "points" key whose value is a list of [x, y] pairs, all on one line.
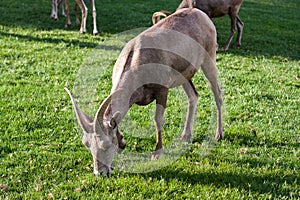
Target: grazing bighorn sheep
{"points": [[164, 56], [84, 11], [215, 8]]}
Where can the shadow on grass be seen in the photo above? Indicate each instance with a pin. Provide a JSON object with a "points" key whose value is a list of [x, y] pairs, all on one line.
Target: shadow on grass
{"points": [[249, 139], [262, 184], [276, 182], [59, 40], [50, 40]]}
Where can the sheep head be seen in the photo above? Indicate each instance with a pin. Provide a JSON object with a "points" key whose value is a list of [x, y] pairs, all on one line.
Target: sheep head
{"points": [[99, 135]]}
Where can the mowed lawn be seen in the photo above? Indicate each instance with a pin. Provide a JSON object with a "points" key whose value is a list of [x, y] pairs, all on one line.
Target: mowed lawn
{"points": [[41, 154]]}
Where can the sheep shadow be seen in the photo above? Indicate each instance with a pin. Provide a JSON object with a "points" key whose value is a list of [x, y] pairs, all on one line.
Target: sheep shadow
{"points": [[239, 177], [243, 180]]}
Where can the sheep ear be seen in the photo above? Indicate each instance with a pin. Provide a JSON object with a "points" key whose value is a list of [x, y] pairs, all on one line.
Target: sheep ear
{"points": [[115, 120], [85, 122]]}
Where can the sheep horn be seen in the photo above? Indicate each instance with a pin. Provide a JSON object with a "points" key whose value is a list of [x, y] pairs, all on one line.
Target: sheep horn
{"points": [[156, 16], [83, 119], [99, 119]]}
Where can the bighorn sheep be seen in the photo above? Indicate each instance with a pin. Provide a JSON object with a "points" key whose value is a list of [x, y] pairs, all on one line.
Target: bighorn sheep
{"points": [[84, 11], [215, 8], [164, 56]]}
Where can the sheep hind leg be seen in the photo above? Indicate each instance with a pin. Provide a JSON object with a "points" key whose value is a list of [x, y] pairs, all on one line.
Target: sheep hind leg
{"points": [[192, 95], [77, 21], [61, 3], [240, 26], [210, 71], [232, 31]]}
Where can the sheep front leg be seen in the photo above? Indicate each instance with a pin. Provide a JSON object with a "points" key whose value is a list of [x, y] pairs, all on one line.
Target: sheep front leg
{"points": [[54, 12], [159, 121], [96, 166], [192, 95], [161, 101], [95, 31]]}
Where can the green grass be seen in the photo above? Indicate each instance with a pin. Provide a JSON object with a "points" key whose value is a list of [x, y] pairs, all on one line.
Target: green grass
{"points": [[41, 155]]}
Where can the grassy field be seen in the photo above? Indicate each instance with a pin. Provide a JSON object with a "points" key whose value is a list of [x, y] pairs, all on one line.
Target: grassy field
{"points": [[41, 154]]}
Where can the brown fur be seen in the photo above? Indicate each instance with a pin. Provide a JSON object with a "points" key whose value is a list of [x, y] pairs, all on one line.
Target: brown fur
{"points": [[164, 56], [216, 8]]}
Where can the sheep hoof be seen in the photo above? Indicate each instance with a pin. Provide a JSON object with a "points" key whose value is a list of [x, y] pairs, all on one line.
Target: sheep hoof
{"points": [[220, 134], [237, 45], [186, 137], [157, 154], [67, 25]]}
